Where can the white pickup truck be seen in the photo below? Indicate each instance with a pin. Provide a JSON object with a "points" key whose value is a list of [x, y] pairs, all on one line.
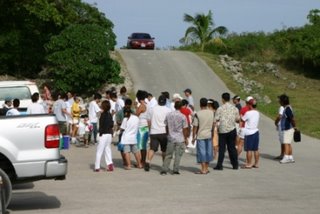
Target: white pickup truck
{"points": [[29, 150]]}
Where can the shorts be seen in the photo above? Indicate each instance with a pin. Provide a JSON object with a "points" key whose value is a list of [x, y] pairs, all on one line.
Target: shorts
{"points": [[130, 148], [251, 142], [204, 150], [158, 139], [62, 127], [75, 120], [87, 135], [142, 137], [288, 136], [120, 147]]}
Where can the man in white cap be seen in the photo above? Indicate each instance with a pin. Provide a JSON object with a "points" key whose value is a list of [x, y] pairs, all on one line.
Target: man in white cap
{"points": [[240, 140], [175, 97]]}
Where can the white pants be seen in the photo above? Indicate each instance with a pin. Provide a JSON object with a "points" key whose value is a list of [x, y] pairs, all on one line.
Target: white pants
{"points": [[104, 145]]}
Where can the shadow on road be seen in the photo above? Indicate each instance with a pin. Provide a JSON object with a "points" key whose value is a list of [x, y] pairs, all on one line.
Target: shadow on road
{"points": [[33, 201], [268, 156], [23, 186]]}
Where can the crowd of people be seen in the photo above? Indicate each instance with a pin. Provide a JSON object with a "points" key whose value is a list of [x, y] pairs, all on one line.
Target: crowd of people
{"points": [[145, 124]]}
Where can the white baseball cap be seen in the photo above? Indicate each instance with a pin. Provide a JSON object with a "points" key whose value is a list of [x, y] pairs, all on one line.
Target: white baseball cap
{"points": [[176, 96], [249, 98]]}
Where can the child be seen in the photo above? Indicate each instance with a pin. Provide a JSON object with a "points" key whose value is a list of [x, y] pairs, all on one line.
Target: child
{"points": [[88, 131]]}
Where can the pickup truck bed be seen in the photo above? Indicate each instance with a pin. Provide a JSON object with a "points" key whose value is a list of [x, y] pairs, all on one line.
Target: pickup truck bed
{"points": [[29, 149]]}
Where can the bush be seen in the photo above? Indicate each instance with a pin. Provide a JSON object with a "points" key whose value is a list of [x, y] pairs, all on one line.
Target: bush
{"points": [[79, 59]]}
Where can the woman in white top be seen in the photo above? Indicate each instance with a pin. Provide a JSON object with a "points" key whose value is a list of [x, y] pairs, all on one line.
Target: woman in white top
{"points": [[130, 125]]}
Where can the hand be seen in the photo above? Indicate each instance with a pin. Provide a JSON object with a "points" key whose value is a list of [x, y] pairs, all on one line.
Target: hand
{"points": [[193, 141]]}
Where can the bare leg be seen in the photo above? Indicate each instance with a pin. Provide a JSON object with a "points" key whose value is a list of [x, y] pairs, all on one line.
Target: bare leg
{"points": [[256, 159], [240, 145], [137, 155], [249, 159], [128, 161]]}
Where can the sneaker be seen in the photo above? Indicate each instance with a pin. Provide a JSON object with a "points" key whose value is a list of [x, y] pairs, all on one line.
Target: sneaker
{"points": [[176, 173], [187, 150], [110, 168], [97, 170], [147, 167], [291, 160], [163, 173], [285, 160]]}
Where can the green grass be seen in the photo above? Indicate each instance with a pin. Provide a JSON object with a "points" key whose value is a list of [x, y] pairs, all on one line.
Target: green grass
{"points": [[305, 98]]}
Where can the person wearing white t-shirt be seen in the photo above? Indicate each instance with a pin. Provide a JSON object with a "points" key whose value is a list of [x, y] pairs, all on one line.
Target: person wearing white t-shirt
{"points": [[14, 111], [35, 107], [130, 127], [94, 111], [280, 132], [158, 132], [251, 132]]}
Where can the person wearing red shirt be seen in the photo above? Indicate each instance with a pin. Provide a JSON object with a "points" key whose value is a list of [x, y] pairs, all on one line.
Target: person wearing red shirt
{"points": [[240, 141]]}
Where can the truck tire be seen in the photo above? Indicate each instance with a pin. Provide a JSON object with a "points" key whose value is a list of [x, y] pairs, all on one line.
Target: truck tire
{"points": [[7, 187]]}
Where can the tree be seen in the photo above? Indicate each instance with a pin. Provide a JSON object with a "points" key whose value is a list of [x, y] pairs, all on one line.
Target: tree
{"points": [[79, 59], [314, 17], [202, 29]]}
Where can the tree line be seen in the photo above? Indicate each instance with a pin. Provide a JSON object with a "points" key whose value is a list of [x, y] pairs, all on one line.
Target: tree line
{"points": [[294, 46], [67, 42]]}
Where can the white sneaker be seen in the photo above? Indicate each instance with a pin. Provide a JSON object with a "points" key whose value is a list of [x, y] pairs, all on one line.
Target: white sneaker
{"points": [[285, 160], [187, 150], [291, 160]]}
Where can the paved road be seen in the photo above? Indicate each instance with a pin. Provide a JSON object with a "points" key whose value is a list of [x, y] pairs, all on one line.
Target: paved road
{"points": [[273, 188]]}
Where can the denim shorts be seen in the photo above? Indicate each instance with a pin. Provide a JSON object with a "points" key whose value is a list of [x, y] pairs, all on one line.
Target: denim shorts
{"points": [[204, 150], [130, 148]]}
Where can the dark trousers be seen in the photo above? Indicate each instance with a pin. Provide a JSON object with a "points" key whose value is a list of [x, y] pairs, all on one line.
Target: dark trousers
{"points": [[228, 139]]}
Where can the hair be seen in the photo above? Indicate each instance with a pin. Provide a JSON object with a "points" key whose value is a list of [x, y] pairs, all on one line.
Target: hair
{"points": [[162, 100], [35, 97], [16, 103], [63, 95], [226, 96], [184, 102], [203, 102], [97, 96], [141, 95], [178, 105], [128, 102], [123, 90], [126, 110], [215, 105], [105, 105], [150, 95], [284, 100], [166, 94], [113, 94]]}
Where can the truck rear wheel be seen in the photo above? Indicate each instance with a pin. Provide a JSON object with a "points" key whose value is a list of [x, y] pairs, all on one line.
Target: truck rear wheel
{"points": [[6, 187]]}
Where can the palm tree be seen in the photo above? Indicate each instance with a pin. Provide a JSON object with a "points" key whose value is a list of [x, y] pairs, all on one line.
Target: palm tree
{"points": [[202, 29]]}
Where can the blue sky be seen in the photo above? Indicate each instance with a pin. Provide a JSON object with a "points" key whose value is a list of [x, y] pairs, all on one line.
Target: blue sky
{"points": [[163, 19]]}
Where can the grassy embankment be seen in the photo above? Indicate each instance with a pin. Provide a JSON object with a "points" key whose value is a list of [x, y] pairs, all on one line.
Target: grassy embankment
{"points": [[305, 98]]}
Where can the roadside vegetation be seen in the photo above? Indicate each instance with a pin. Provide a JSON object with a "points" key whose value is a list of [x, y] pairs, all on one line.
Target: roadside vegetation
{"points": [[65, 43], [294, 50]]}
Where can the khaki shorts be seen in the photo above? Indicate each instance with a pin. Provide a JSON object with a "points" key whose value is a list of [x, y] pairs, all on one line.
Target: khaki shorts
{"points": [[288, 136]]}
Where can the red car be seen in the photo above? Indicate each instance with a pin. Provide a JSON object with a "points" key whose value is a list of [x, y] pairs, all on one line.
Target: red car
{"points": [[140, 41]]}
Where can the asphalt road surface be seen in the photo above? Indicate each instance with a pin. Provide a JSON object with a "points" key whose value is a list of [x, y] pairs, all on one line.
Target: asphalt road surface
{"points": [[272, 188]]}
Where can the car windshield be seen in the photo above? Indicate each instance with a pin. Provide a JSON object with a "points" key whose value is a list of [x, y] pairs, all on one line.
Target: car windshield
{"points": [[20, 93], [141, 36]]}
